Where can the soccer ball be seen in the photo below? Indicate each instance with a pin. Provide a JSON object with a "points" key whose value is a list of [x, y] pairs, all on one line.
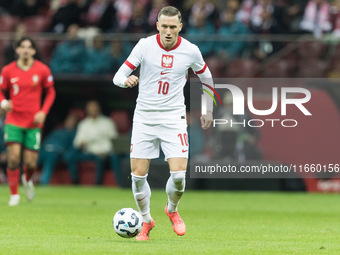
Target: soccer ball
{"points": [[127, 222]]}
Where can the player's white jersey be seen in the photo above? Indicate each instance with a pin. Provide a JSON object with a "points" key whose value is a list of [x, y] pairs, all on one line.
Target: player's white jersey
{"points": [[163, 75]]}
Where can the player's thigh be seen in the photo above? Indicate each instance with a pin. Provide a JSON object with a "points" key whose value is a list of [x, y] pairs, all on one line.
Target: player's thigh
{"points": [[14, 134], [13, 154], [30, 158], [32, 139], [144, 141], [177, 164], [174, 140], [140, 167], [14, 137]]}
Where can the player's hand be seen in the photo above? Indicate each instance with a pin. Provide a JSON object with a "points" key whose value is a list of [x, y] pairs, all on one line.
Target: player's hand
{"points": [[39, 118], [206, 120], [7, 105], [131, 81]]}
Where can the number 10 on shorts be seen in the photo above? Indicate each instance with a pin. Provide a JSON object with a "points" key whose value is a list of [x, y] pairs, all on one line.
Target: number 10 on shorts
{"points": [[184, 139]]}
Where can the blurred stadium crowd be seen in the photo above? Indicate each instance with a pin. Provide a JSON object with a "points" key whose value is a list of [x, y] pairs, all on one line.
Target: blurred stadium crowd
{"points": [[89, 36], [238, 38]]}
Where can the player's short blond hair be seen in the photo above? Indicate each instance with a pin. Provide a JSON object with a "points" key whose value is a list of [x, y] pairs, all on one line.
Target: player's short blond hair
{"points": [[170, 11]]}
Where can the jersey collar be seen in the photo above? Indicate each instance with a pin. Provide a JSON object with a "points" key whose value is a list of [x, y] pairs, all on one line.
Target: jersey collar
{"points": [[179, 40]]}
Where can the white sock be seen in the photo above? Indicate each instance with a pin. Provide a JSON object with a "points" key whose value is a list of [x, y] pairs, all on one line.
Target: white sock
{"points": [[142, 194], [175, 189]]}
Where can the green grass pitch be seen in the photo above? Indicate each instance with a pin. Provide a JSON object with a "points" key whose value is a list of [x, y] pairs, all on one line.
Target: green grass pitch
{"points": [[78, 220]]}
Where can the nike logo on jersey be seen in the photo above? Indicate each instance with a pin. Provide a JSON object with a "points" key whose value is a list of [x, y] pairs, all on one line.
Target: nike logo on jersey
{"points": [[184, 151], [13, 80], [162, 73], [140, 199]]}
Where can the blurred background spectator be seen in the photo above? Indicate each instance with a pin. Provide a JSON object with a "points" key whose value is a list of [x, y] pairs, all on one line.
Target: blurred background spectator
{"points": [[101, 14], [118, 54], [138, 22], [93, 141], [316, 18], [233, 140], [97, 58], [19, 31], [195, 137], [56, 145], [25, 8], [66, 15], [86, 41], [201, 27], [124, 12], [229, 27], [69, 56], [153, 10], [294, 14]]}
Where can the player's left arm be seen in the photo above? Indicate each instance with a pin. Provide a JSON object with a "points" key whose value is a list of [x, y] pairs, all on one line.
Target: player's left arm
{"points": [[202, 71], [207, 119], [39, 117]]}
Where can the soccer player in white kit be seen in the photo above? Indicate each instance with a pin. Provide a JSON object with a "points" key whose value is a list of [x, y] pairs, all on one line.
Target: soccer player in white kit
{"points": [[159, 118]]}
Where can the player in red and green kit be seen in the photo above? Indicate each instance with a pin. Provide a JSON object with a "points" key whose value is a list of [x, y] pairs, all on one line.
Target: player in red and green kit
{"points": [[25, 80]]}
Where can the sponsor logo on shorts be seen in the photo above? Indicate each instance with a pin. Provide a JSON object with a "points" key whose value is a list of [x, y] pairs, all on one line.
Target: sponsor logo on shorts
{"points": [[131, 147], [184, 150]]}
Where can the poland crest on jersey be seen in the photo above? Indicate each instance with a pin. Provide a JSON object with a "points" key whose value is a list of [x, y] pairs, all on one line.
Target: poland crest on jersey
{"points": [[167, 61]]}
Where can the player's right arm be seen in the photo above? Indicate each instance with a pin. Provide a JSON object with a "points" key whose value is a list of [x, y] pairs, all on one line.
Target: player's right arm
{"points": [[4, 85], [123, 77]]}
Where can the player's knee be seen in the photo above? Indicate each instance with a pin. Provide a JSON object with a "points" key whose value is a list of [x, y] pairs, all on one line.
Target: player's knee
{"points": [[139, 171], [31, 165], [178, 166], [13, 161], [178, 179]]}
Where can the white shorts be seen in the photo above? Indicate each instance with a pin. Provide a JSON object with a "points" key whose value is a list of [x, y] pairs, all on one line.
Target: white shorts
{"points": [[147, 138]]}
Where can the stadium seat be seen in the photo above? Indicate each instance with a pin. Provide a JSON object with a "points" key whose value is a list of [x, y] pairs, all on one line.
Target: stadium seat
{"points": [[279, 69], [122, 120], [109, 178], [79, 112], [314, 49], [334, 68], [216, 66], [61, 175], [312, 68], [44, 49], [7, 23], [3, 46], [36, 24], [241, 68], [87, 172], [336, 51], [292, 59]]}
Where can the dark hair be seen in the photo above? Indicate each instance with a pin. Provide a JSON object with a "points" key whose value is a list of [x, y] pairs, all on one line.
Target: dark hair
{"points": [[25, 38], [170, 11]]}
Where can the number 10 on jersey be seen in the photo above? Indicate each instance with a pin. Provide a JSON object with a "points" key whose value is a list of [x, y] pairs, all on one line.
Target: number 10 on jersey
{"points": [[163, 87]]}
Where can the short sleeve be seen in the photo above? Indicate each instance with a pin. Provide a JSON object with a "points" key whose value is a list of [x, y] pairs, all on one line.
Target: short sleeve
{"points": [[4, 80], [198, 65], [48, 78], [137, 54]]}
